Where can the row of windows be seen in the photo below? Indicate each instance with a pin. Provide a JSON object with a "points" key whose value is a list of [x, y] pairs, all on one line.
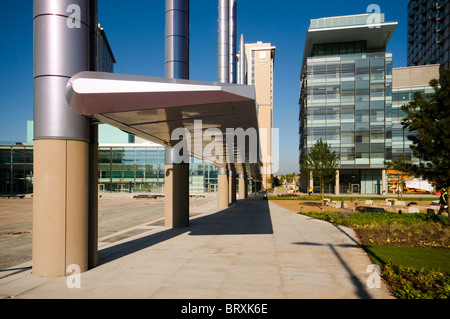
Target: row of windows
{"points": [[16, 155], [339, 49], [119, 169], [359, 91]]}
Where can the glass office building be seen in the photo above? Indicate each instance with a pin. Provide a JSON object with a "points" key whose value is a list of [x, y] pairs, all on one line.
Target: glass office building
{"points": [[140, 168], [127, 168], [429, 32], [346, 100]]}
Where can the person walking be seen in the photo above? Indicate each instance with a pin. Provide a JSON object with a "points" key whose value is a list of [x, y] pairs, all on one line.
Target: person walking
{"points": [[443, 201]]}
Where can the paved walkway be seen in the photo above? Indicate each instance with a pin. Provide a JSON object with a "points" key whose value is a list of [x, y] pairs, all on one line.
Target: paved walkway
{"points": [[253, 250]]}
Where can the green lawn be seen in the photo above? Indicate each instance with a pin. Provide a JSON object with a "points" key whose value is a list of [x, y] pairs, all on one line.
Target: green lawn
{"points": [[410, 270], [414, 257]]}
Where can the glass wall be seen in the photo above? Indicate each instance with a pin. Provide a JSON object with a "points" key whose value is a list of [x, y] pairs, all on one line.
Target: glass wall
{"points": [[360, 181], [347, 102], [349, 105], [16, 169], [141, 169], [400, 141], [120, 169]]}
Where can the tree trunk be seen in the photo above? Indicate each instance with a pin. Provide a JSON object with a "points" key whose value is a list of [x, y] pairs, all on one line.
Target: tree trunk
{"points": [[448, 207], [322, 190]]}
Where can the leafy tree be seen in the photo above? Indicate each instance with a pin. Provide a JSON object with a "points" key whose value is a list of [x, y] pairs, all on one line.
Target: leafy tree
{"points": [[276, 181], [322, 162], [429, 119]]}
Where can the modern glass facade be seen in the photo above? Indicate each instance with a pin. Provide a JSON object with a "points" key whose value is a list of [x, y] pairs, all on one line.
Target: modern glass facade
{"points": [[16, 169], [132, 168], [429, 32], [141, 169], [401, 96], [348, 104], [346, 100]]}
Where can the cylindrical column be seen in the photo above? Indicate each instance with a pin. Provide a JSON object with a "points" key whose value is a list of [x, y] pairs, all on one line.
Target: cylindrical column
{"points": [[61, 50], [233, 41], [61, 147], [224, 39], [176, 180], [338, 191], [242, 61], [383, 182], [177, 39], [222, 188], [242, 187], [232, 186]]}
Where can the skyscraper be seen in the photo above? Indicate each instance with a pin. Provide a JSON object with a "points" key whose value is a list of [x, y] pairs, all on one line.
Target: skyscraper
{"points": [[346, 99], [260, 68], [428, 32]]}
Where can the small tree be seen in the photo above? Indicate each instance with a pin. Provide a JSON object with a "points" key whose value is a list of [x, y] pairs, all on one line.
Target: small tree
{"points": [[322, 162], [429, 119]]}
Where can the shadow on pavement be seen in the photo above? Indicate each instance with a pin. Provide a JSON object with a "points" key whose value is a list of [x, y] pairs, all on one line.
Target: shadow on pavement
{"points": [[248, 216], [359, 286]]}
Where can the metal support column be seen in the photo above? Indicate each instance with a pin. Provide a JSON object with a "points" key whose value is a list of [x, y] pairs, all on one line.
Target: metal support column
{"points": [[233, 41], [176, 182], [224, 40], [61, 148]]}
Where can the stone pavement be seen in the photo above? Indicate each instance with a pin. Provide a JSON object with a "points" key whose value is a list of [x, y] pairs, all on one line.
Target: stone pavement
{"points": [[252, 250]]}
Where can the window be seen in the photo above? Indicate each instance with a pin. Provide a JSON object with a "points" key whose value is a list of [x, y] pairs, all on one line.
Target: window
{"points": [[347, 112], [333, 133], [333, 91], [377, 90]]}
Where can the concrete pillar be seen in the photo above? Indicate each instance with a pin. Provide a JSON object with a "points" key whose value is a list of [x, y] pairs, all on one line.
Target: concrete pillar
{"points": [[247, 188], [176, 192], [338, 191], [222, 188], [232, 186], [176, 181], [242, 187], [61, 148], [383, 182]]}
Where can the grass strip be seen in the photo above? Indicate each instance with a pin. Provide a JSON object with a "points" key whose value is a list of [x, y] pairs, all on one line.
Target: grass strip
{"points": [[414, 257]]}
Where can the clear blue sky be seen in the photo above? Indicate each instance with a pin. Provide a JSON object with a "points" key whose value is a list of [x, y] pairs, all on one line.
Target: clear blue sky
{"points": [[135, 30]]}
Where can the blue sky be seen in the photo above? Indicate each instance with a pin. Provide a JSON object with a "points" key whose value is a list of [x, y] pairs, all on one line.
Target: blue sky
{"points": [[135, 29]]}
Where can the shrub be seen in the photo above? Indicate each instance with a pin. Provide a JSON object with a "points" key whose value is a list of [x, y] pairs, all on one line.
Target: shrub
{"points": [[409, 283]]}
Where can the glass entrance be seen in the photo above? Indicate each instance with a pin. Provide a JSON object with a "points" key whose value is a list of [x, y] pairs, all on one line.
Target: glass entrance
{"points": [[355, 188]]}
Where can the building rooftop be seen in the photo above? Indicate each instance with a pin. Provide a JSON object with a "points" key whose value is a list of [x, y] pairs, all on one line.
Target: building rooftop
{"points": [[343, 21], [371, 28]]}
